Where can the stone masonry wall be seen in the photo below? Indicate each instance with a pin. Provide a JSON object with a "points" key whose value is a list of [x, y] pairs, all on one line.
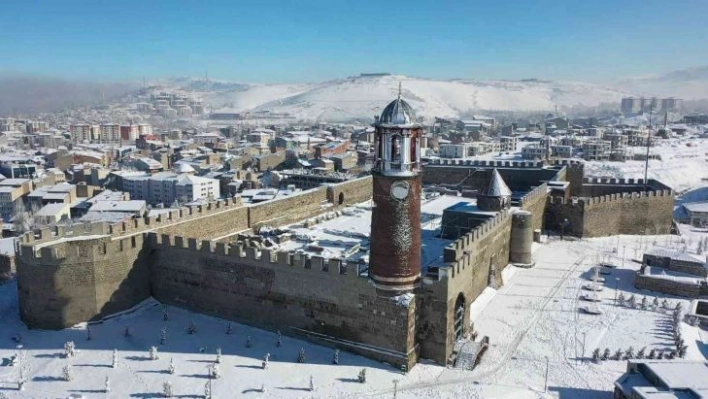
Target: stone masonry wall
{"points": [[7, 267], [71, 282], [535, 202], [289, 209], [666, 286], [278, 290], [470, 258]]}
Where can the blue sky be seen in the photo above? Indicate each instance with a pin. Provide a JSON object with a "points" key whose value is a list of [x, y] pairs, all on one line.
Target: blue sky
{"points": [[313, 40]]}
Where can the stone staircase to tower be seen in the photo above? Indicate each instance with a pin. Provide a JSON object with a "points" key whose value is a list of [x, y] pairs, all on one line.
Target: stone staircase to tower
{"points": [[469, 353]]}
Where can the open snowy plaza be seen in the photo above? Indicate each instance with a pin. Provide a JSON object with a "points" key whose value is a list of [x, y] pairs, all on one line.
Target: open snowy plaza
{"points": [[533, 322]]}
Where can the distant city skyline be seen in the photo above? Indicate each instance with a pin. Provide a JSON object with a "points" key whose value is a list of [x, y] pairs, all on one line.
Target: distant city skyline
{"points": [[285, 41]]}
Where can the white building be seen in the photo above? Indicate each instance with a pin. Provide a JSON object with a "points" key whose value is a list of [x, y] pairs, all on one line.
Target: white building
{"points": [[168, 187], [453, 150], [83, 132], [144, 129]]}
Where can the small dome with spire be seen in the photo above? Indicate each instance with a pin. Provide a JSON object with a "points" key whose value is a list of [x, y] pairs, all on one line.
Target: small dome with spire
{"points": [[397, 112]]}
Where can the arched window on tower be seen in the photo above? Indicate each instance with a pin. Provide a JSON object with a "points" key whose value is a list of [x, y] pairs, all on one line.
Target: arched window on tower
{"points": [[396, 148]]}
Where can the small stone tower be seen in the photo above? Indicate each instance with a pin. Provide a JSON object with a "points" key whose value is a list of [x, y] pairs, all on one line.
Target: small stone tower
{"points": [[496, 196], [395, 257]]}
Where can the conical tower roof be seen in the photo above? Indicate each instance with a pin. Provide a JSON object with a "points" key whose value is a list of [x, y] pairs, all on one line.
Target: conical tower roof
{"points": [[496, 187]]}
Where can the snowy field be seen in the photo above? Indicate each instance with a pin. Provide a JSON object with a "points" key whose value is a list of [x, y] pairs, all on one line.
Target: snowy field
{"points": [[531, 320]]}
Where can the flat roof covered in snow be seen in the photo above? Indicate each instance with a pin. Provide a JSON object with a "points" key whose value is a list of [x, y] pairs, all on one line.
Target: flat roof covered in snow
{"points": [[676, 255]]}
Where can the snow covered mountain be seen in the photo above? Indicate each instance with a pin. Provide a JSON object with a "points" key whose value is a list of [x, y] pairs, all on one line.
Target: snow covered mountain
{"points": [[363, 96], [689, 84]]}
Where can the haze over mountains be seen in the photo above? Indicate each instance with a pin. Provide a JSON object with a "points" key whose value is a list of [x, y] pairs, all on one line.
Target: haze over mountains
{"points": [[362, 97]]}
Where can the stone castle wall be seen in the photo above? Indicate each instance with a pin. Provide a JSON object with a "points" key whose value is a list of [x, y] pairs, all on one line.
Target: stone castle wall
{"points": [[470, 259], [80, 279], [672, 287], [283, 291], [71, 274], [625, 213], [535, 202]]}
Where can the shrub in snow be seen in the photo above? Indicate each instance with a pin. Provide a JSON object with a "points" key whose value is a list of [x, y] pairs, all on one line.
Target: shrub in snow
{"points": [[215, 372], [644, 303], [671, 354], [665, 304], [191, 328], [218, 355], [263, 389], [301, 356], [107, 385], [163, 336], [22, 380], [655, 302], [266, 358], [115, 358], [312, 384], [67, 373], [682, 351], [362, 376], [641, 353], [596, 355], [229, 330], [620, 299], [171, 367], [630, 353], [605, 354], [249, 342], [126, 332], [617, 355], [69, 349], [153, 353], [632, 301], [660, 355], [652, 354], [165, 315], [207, 390], [679, 307], [167, 390], [335, 360], [280, 340]]}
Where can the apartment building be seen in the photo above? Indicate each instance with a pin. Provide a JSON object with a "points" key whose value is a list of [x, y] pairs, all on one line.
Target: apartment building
{"points": [[596, 150]]}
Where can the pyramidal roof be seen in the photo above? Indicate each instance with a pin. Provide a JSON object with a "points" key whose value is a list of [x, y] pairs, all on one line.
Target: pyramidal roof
{"points": [[496, 187]]}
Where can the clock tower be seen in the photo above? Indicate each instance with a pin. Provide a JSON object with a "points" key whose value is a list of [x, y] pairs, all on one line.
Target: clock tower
{"points": [[395, 259]]}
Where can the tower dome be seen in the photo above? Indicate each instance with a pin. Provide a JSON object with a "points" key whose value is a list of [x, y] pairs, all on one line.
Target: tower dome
{"points": [[397, 112]]}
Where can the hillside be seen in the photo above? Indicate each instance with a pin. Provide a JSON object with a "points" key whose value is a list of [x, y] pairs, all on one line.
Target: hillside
{"points": [[361, 97]]}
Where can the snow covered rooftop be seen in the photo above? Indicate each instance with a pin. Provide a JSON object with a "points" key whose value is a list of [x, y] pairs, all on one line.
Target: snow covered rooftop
{"points": [[676, 255], [344, 235]]}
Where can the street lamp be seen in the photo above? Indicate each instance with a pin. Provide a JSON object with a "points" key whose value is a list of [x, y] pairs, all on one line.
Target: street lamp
{"points": [[617, 283]]}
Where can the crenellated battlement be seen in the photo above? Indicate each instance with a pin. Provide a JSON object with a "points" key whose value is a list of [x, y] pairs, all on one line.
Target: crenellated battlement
{"points": [[242, 252], [78, 248], [533, 195], [585, 202], [485, 164], [568, 162], [460, 253], [128, 227]]}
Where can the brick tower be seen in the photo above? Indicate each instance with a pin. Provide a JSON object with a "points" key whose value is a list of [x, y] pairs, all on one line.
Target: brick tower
{"points": [[395, 222]]}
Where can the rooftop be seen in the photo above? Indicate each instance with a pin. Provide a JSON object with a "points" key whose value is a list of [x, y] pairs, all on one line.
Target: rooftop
{"points": [[676, 255], [347, 236]]}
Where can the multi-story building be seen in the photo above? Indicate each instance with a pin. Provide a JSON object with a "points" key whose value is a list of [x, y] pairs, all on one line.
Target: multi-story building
{"points": [[144, 129], [12, 192], [596, 150], [129, 132], [633, 105], [507, 143], [168, 187], [534, 151], [561, 151], [83, 132], [453, 150], [109, 133]]}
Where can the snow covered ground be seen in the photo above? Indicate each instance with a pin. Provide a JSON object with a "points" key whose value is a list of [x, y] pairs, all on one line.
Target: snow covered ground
{"points": [[531, 320]]}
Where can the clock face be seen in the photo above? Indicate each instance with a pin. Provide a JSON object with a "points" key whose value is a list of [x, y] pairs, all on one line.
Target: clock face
{"points": [[400, 190]]}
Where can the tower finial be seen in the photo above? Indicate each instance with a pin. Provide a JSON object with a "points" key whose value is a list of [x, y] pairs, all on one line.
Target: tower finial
{"points": [[399, 89]]}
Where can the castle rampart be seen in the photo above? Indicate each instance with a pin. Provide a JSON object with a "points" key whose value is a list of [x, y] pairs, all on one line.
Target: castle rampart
{"points": [[469, 260], [644, 212], [282, 290]]}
